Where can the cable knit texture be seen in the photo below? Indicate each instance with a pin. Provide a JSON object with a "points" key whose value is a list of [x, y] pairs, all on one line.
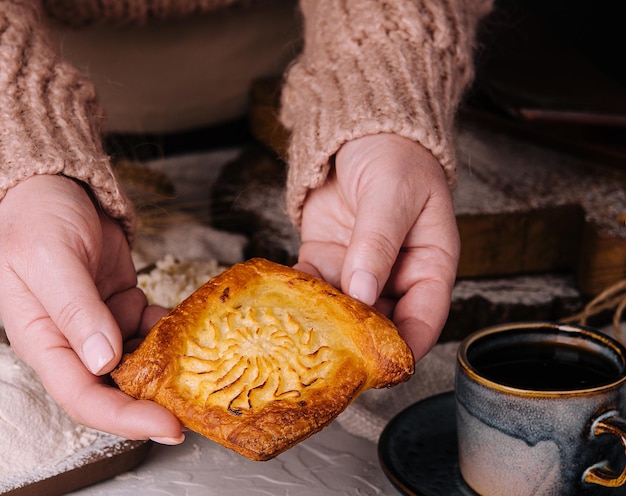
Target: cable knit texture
{"points": [[373, 66], [368, 66], [85, 12], [49, 117]]}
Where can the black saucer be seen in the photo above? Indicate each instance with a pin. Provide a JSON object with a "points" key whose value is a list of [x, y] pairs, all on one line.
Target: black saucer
{"points": [[418, 449]]}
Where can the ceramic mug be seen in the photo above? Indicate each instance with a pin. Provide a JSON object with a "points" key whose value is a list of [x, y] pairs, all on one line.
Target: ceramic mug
{"points": [[540, 410]]}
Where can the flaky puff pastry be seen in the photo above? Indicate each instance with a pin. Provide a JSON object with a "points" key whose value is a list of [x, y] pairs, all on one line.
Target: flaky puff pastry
{"points": [[262, 356]]}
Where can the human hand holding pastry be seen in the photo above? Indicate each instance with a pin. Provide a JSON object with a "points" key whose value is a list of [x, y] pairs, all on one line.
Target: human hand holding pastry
{"points": [[382, 228], [68, 301]]}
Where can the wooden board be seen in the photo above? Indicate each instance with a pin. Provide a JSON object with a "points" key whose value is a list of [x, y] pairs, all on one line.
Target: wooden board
{"points": [[110, 456], [106, 457], [527, 208]]}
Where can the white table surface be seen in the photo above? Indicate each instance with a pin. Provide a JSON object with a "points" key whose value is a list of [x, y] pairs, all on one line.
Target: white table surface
{"points": [[332, 462]]}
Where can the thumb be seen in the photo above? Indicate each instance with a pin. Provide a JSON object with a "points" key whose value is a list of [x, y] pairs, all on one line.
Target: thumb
{"points": [[379, 231], [77, 310]]}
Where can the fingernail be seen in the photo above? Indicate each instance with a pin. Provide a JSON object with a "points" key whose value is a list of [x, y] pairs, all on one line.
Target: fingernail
{"points": [[170, 441], [97, 352], [364, 287]]}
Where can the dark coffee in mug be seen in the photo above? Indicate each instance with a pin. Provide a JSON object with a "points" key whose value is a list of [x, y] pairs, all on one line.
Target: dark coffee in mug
{"points": [[546, 366], [541, 410]]}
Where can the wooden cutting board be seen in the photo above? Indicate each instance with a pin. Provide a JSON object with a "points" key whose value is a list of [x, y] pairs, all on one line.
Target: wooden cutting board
{"points": [[524, 208], [107, 457]]}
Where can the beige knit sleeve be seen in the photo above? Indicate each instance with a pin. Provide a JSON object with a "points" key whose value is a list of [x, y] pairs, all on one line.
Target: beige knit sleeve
{"points": [[84, 12], [49, 116], [372, 66]]}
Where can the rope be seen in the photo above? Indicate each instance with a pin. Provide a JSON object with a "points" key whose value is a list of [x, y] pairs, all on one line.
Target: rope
{"points": [[612, 298]]}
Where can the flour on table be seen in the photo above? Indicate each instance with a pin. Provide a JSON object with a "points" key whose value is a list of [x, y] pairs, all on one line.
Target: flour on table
{"points": [[172, 280], [34, 431]]}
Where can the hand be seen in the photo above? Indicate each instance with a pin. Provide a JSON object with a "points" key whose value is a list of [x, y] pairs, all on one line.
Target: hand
{"points": [[382, 228], [68, 300]]}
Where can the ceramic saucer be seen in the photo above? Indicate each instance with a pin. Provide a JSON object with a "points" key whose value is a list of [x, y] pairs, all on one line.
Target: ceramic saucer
{"points": [[418, 449]]}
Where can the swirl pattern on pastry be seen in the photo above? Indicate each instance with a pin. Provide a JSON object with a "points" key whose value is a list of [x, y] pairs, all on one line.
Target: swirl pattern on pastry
{"points": [[250, 357]]}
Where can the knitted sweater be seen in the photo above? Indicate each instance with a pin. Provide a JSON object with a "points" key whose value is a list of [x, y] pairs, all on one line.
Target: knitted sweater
{"points": [[368, 66]]}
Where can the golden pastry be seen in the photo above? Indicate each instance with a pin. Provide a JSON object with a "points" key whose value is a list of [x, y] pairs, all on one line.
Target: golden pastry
{"points": [[262, 356]]}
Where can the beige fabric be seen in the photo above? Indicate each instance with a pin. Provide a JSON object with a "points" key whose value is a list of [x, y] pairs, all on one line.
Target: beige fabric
{"points": [[89, 12], [187, 73]]}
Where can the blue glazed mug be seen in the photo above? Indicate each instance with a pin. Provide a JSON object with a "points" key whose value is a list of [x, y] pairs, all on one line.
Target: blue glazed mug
{"points": [[540, 410]]}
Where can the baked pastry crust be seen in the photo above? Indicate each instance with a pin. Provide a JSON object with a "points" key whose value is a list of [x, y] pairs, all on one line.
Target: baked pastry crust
{"points": [[263, 356]]}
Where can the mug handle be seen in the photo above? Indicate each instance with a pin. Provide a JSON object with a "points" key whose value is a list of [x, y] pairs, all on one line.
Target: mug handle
{"points": [[600, 474]]}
